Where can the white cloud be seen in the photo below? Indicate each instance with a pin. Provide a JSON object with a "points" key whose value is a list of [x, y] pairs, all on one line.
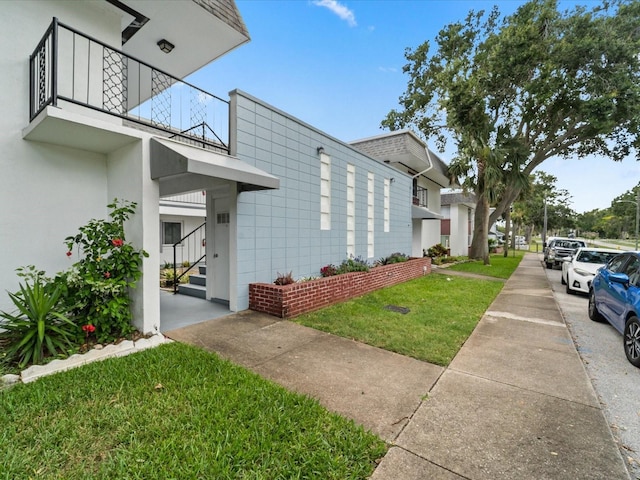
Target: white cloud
{"points": [[342, 11], [388, 69]]}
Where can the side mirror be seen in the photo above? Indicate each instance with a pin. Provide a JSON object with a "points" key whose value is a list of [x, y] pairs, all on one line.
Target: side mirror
{"points": [[622, 278]]}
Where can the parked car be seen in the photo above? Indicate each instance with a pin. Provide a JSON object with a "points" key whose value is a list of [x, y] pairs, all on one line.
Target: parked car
{"points": [[579, 269], [615, 297], [560, 248]]}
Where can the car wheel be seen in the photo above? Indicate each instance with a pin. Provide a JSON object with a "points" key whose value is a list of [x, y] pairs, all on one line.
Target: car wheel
{"points": [[594, 314], [549, 265], [632, 341]]}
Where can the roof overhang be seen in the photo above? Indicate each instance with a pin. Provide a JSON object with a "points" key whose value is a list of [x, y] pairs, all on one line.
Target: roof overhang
{"points": [[184, 168], [424, 213]]}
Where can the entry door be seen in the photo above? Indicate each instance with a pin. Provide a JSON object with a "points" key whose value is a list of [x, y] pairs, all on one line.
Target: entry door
{"points": [[221, 249]]}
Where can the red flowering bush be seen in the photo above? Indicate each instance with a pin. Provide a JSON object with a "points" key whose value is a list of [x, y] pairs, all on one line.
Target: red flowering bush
{"points": [[97, 286]]}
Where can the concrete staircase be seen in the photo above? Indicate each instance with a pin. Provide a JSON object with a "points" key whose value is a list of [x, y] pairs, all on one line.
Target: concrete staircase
{"points": [[197, 286]]}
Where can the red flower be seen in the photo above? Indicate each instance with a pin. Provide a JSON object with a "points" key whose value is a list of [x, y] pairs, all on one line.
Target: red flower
{"points": [[69, 253], [117, 242], [107, 275], [88, 328]]}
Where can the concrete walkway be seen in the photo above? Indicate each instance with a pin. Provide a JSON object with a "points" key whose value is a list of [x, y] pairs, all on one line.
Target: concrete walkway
{"points": [[515, 402]]}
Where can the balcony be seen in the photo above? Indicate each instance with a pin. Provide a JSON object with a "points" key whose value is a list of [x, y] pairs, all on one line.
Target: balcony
{"points": [[70, 68], [420, 197]]}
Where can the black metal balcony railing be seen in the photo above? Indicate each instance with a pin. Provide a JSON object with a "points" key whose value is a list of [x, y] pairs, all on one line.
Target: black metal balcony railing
{"points": [[71, 66], [420, 197]]}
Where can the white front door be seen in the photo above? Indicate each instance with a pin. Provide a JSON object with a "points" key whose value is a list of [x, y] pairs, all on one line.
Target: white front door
{"points": [[220, 260]]}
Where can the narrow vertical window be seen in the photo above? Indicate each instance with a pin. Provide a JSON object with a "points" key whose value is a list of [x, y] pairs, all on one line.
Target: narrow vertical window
{"points": [[387, 188], [351, 210], [370, 214], [325, 192]]}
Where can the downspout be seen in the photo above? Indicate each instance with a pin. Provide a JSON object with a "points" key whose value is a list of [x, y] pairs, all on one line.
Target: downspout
{"points": [[426, 169]]}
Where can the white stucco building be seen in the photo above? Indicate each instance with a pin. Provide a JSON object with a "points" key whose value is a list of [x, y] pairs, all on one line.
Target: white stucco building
{"points": [[95, 108]]}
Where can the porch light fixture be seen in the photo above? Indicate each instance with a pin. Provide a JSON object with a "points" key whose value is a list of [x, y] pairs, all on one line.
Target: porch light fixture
{"points": [[320, 150], [165, 45]]}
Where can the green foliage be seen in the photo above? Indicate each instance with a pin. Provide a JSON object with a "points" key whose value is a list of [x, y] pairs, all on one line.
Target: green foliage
{"points": [[351, 264], [438, 250], [96, 288], [284, 279], [36, 328], [512, 92], [393, 258]]}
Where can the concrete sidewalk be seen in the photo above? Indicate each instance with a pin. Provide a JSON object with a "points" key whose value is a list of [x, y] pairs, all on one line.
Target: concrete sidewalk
{"points": [[515, 402]]}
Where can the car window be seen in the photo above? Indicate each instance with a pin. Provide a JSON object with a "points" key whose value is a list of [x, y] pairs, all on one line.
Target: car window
{"points": [[604, 257], [616, 263], [632, 269]]}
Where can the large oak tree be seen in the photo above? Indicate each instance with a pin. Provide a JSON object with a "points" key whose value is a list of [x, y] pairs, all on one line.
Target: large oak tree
{"points": [[512, 92]]}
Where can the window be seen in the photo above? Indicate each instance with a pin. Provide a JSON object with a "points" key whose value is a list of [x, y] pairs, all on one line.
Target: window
{"points": [[325, 192], [351, 210], [171, 232], [370, 214], [222, 218], [387, 187]]}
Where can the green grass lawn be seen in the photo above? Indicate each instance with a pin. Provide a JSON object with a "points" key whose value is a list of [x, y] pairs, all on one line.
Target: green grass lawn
{"points": [[443, 313], [174, 412], [179, 412], [500, 267]]}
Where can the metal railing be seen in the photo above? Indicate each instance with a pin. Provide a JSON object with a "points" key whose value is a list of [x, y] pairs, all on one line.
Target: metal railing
{"points": [[192, 246], [72, 66], [420, 197]]}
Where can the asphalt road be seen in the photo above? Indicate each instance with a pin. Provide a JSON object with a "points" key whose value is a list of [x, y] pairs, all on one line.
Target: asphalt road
{"points": [[615, 380]]}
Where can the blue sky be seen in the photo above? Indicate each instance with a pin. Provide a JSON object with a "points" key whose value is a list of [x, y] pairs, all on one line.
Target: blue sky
{"points": [[337, 65]]}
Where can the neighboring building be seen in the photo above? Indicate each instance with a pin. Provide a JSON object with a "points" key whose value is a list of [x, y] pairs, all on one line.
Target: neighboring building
{"points": [[405, 152], [458, 210], [182, 215], [94, 108]]}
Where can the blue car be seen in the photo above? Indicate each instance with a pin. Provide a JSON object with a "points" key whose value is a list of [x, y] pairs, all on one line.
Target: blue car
{"points": [[614, 296]]}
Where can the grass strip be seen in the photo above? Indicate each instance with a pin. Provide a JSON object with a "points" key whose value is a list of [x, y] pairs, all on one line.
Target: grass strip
{"points": [[443, 311], [500, 267], [174, 412]]}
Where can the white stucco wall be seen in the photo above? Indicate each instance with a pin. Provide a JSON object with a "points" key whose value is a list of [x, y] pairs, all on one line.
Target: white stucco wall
{"points": [[50, 191], [459, 239], [47, 192]]}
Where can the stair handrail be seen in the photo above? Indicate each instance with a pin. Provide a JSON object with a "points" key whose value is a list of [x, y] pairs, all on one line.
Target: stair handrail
{"points": [[176, 277]]}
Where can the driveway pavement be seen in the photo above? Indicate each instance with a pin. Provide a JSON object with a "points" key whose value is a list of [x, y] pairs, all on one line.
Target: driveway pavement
{"points": [[515, 402]]}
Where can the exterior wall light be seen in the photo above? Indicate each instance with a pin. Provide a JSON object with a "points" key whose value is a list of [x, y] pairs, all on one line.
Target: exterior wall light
{"points": [[165, 45], [320, 150]]}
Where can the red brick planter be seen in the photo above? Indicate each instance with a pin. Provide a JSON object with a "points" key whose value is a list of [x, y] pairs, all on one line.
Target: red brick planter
{"points": [[286, 301]]}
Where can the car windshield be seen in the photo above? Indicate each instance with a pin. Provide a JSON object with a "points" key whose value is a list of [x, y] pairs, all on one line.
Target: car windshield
{"points": [[574, 244], [595, 257]]}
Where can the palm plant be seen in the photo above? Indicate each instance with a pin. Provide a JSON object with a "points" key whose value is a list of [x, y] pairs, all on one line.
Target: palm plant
{"points": [[36, 326]]}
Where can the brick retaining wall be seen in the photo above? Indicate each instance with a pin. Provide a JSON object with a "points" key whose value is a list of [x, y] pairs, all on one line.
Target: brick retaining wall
{"points": [[286, 301]]}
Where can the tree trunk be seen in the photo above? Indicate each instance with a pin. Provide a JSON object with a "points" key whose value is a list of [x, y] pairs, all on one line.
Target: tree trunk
{"points": [[507, 225], [480, 242]]}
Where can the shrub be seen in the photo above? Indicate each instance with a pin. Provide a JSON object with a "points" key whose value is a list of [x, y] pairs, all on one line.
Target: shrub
{"points": [[353, 264], [96, 288], [328, 271], [438, 250], [284, 279], [37, 325], [393, 258]]}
